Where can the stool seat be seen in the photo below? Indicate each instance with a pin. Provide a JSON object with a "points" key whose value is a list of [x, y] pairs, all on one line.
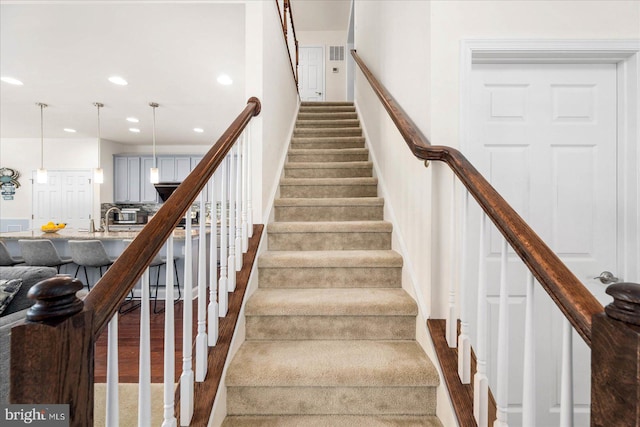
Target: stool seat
{"points": [[89, 253], [41, 252], [6, 260]]}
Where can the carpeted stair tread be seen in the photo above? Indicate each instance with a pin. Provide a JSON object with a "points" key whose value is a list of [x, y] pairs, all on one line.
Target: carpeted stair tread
{"points": [[327, 108], [325, 131], [328, 115], [328, 151], [320, 139], [332, 421], [329, 181], [318, 363], [335, 201], [328, 165], [319, 259], [331, 302], [325, 103], [330, 226], [321, 124]]}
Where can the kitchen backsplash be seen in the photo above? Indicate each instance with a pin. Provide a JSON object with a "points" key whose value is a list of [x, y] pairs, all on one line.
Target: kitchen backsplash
{"points": [[149, 208]]}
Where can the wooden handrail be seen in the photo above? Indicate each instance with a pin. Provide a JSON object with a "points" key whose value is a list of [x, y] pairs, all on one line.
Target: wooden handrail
{"points": [[570, 295], [283, 21], [107, 295]]}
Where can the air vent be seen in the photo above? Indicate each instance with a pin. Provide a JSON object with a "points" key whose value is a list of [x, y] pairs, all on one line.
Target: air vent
{"points": [[336, 53]]}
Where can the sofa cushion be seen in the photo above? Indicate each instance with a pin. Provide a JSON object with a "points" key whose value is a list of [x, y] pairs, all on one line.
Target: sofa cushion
{"points": [[8, 289], [29, 276]]}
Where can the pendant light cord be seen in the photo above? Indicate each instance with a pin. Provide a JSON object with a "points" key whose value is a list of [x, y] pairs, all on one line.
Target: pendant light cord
{"points": [[154, 105], [42, 107], [99, 105]]}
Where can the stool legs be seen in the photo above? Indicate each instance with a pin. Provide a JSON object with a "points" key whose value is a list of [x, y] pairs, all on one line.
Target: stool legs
{"points": [[155, 296]]}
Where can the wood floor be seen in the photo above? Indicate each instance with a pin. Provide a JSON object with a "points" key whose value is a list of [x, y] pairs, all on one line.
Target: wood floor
{"points": [[129, 332]]}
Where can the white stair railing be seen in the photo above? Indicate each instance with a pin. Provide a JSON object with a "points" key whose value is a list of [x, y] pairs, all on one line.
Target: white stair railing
{"points": [[480, 380], [112, 416], [452, 322], [223, 285], [249, 186], [529, 373], [238, 218], [169, 343], [187, 378], [231, 263], [245, 184], [566, 389], [464, 343], [502, 398], [201, 338], [144, 370], [213, 308]]}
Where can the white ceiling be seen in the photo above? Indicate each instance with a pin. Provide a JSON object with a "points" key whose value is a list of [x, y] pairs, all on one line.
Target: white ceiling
{"points": [[169, 53], [321, 15]]}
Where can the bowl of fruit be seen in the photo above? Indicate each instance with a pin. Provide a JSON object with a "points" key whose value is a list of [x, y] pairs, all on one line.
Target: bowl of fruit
{"points": [[52, 227]]}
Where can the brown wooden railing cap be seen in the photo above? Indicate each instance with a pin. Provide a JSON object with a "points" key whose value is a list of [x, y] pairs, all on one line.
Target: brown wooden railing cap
{"points": [[626, 302], [55, 299]]}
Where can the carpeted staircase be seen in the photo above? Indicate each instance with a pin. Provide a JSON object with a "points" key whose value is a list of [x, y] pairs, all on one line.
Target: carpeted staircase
{"points": [[330, 333]]}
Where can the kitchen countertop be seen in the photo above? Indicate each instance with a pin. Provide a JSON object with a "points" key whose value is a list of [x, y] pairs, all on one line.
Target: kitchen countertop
{"points": [[75, 234]]}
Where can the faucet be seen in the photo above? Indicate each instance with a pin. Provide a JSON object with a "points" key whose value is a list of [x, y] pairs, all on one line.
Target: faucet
{"points": [[106, 216]]}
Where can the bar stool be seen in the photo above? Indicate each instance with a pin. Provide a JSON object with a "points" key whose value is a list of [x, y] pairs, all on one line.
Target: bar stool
{"points": [[6, 260], [41, 252], [89, 253], [158, 262]]}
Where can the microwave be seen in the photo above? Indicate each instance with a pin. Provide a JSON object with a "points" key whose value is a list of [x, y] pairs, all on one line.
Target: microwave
{"points": [[130, 216]]}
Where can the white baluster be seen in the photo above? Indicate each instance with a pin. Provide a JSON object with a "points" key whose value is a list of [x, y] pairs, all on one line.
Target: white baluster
{"points": [[566, 388], [144, 367], [169, 343], [480, 380], [112, 404], [201, 338], [249, 184], [212, 336], [502, 401], [245, 182], [238, 263], [223, 284], [452, 321], [231, 263], [464, 344], [186, 378], [529, 374]]}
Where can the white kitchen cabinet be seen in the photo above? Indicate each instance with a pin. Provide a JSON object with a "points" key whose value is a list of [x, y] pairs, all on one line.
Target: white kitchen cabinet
{"points": [[148, 193], [174, 168], [126, 179]]}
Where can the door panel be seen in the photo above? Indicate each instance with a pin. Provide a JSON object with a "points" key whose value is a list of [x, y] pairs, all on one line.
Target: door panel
{"points": [[311, 73], [545, 137], [66, 197]]}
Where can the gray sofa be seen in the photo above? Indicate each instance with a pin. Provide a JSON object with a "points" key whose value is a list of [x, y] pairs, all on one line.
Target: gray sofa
{"points": [[15, 312]]}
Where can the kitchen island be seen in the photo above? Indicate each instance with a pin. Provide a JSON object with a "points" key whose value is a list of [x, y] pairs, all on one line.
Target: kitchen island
{"points": [[114, 243]]}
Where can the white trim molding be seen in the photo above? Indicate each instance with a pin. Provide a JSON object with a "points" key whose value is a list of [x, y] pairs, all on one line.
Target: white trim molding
{"points": [[626, 55]]}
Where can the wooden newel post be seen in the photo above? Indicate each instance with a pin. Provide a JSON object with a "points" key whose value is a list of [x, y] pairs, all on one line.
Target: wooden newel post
{"points": [[52, 351], [615, 359]]}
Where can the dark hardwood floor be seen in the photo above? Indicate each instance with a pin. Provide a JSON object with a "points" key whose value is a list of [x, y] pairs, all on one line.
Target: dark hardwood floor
{"points": [[129, 333]]}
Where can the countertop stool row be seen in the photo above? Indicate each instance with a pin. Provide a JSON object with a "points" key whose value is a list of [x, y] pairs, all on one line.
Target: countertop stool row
{"points": [[84, 253]]}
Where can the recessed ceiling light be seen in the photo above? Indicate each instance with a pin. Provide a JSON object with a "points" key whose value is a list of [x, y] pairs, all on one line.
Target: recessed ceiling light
{"points": [[132, 120], [224, 79], [117, 80], [69, 130], [198, 130], [134, 130], [11, 80]]}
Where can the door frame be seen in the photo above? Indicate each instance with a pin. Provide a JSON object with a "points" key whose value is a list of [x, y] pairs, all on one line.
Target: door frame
{"points": [[625, 54], [324, 65]]}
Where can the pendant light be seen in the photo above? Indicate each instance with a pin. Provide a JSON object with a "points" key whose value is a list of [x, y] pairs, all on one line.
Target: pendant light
{"points": [[98, 173], [41, 174], [154, 175]]}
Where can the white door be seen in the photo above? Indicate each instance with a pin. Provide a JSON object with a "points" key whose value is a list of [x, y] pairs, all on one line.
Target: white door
{"points": [[66, 197], [544, 135], [311, 77]]}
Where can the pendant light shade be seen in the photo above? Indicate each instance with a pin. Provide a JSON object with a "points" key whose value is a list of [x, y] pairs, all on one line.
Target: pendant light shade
{"points": [[41, 174], [98, 174], [154, 174]]}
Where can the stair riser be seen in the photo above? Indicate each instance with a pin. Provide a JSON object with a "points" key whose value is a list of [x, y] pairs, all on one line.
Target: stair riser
{"points": [[331, 400], [327, 116], [328, 173], [324, 124], [331, 327], [328, 109], [328, 144], [330, 277], [329, 241], [325, 191], [328, 213], [327, 132], [338, 157]]}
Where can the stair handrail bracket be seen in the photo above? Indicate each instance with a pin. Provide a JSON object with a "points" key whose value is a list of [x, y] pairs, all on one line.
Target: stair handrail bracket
{"points": [[52, 351], [569, 294]]}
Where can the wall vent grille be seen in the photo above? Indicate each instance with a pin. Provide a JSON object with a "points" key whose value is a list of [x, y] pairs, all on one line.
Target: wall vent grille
{"points": [[336, 53]]}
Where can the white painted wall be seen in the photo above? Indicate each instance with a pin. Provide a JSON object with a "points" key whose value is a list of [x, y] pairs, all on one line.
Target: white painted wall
{"points": [[335, 83]]}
